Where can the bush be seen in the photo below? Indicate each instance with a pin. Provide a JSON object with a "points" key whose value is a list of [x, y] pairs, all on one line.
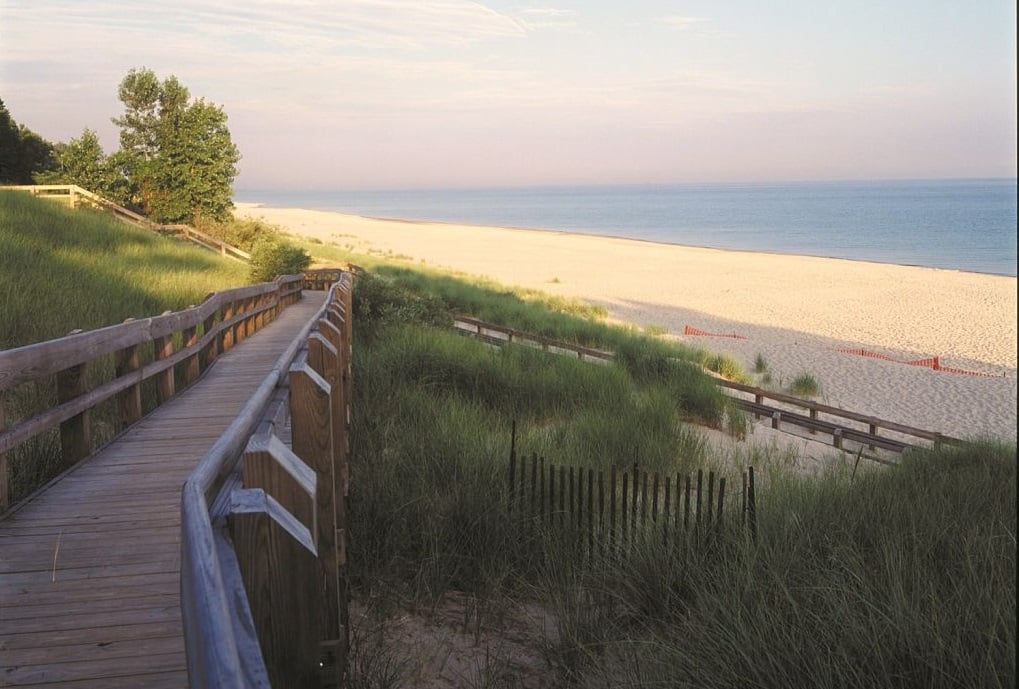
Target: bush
{"points": [[272, 256], [805, 385], [244, 233], [379, 300]]}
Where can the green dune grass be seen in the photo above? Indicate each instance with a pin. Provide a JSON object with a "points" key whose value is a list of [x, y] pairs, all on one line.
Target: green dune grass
{"points": [[62, 270]]}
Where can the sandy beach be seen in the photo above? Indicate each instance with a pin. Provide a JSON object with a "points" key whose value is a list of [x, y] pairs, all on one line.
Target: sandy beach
{"points": [[795, 311]]}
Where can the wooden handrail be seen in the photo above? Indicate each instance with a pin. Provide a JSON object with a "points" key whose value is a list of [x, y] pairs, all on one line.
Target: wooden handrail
{"points": [[223, 319], [188, 233], [252, 499], [514, 335], [874, 423]]}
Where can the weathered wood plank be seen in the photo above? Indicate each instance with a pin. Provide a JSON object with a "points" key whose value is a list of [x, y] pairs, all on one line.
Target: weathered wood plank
{"points": [[116, 516]]}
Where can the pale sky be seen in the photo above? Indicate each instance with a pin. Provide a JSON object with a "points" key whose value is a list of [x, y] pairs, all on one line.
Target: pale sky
{"points": [[438, 93]]}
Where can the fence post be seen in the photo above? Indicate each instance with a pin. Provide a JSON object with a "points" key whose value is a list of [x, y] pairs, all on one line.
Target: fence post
{"points": [[227, 333], [212, 348], [334, 337], [129, 401], [191, 369], [163, 349], [269, 525], [312, 431], [751, 502], [76, 432], [5, 470]]}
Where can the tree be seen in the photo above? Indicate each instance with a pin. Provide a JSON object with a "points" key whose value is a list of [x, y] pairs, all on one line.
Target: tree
{"points": [[272, 256], [176, 152], [82, 161], [23, 153]]}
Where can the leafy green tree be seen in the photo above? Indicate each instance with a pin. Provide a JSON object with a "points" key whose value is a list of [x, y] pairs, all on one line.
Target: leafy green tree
{"points": [[23, 153], [82, 161], [176, 152], [10, 147]]}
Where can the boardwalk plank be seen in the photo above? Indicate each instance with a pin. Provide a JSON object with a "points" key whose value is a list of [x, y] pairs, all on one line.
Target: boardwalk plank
{"points": [[108, 613]]}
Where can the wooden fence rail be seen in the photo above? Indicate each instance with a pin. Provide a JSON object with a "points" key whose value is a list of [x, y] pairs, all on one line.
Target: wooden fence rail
{"points": [[263, 525], [179, 347], [500, 335], [77, 196]]}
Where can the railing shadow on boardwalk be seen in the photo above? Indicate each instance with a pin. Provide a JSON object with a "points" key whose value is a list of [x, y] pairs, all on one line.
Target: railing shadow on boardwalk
{"points": [[263, 528]]}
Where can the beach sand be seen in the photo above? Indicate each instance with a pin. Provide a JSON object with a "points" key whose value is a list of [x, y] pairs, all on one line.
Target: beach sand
{"points": [[794, 311]]}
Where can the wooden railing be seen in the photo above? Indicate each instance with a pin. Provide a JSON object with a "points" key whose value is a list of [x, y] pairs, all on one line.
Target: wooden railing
{"points": [[497, 334], [812, 423], [181, 345], [263, 525], [76, 196], [510, 335]]}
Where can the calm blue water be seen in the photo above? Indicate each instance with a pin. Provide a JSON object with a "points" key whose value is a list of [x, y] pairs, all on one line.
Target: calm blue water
{"points": [[964, 225]]}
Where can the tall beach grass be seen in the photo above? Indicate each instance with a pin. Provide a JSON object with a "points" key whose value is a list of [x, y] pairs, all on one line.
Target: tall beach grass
{"points": [[62, 270]]}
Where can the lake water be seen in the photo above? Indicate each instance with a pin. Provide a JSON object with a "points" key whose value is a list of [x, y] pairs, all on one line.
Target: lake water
{"points": [[965, 225]]}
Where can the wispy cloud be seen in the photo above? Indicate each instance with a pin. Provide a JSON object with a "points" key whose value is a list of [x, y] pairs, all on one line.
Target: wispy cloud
{"points": [[676, 21], [549, 18], [406, 23]]}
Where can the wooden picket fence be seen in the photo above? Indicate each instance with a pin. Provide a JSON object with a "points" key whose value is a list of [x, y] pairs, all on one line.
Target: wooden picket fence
{"points": [[609, 512]]}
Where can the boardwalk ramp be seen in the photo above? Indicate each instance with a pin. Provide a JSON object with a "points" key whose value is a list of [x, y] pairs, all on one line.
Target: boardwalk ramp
{"points": [[89, 568]]}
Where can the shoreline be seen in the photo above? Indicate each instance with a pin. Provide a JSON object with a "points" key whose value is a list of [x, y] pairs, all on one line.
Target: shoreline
{"points": [[247, 208], [795, 311]]}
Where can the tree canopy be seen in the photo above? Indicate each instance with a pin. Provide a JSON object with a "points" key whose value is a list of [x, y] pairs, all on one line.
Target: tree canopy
{"points": [[23, 153], [176, 151], [176, 163]]}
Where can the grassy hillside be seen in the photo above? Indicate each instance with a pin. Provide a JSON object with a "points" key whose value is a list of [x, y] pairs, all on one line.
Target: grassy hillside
{"points": [[62, 269], [900, 576]]}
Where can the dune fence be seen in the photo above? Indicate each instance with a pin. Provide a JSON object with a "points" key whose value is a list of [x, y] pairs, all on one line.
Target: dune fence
{"points": [[610, 512]]}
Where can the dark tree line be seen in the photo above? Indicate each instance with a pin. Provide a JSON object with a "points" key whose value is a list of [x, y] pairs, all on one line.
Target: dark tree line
{"points": [[176, 162], [23, 153]]}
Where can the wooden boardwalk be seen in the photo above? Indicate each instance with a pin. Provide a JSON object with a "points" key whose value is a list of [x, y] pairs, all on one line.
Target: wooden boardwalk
{"points": [[89, 569]]}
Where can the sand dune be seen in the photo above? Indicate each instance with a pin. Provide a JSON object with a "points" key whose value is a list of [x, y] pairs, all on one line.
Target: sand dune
{"points": [[795, 311]]}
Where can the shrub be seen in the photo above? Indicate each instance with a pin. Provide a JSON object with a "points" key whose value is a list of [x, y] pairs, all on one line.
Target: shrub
{"points": [[805, 385], [244, 233], [379, 300], [272, 256]]}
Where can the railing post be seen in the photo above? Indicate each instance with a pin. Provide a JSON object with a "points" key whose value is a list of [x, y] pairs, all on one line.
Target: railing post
{"points": [[162, 348], [191, 366], [129, 402], [279, 573], [250, 326], [311, 426], [227, 335], [5, 469], [76, 432], [212, 350], [240, 329]]}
